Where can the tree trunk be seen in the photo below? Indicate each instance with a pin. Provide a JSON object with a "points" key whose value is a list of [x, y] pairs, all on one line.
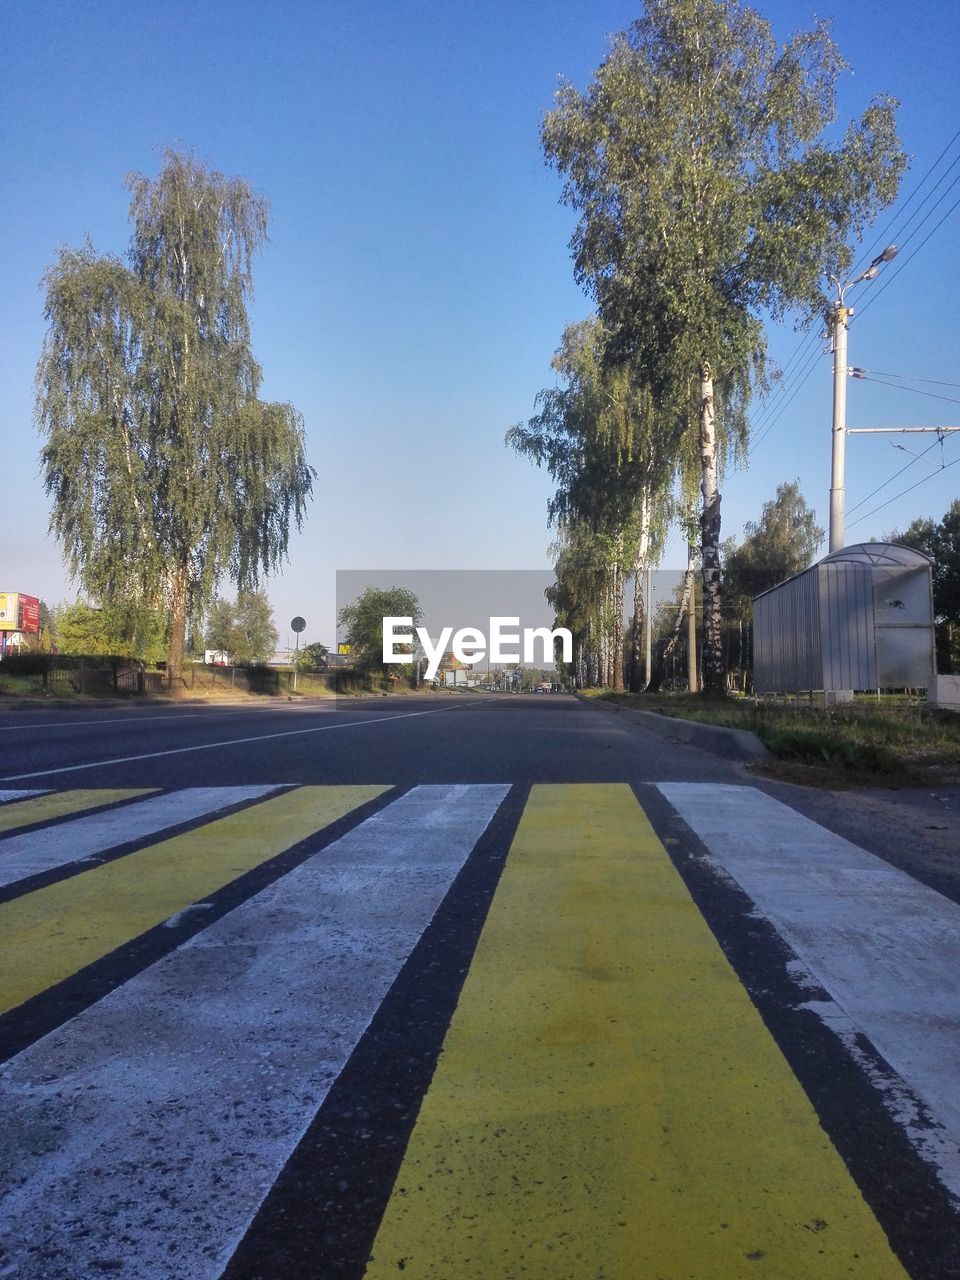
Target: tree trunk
{"points": [[638, 677], [682, 608], [616, 673], [178, 625], [693, 683], [713, 682]]}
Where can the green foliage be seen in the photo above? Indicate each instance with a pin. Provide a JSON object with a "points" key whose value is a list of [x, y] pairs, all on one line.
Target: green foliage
{"points": [[595, 435], [361, 626], [781, 543], [117, 630], [166, 470], [243, 628], [940, 540], [313, 657], [707, 194]]}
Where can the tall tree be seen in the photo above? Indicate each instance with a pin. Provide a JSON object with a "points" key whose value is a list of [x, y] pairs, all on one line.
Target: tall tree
{"points": [[707, 193], [940, 540], [595, 435], [781, 543], [166, 470], [361, 626], [583, 599], [244, 628]]}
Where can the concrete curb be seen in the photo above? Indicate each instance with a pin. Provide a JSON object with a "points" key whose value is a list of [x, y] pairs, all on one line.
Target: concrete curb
{"points": [[731, 744]]}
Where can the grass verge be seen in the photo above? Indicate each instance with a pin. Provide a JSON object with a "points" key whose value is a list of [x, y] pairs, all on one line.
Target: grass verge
{"points": [[892, 744]]}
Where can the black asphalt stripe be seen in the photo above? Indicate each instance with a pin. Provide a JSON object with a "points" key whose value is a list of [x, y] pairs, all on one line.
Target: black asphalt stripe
{"points": [[321, 1216], [909, 1201], [37, 1017], [42, 879]]}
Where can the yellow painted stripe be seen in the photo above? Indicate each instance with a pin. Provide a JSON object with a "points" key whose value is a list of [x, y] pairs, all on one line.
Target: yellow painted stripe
{"points": [[60, 803], [608, 1101], [48, 935]]}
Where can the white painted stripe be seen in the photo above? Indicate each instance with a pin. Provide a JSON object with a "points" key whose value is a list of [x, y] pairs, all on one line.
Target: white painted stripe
{"points": [[232, 742], [121, 719], [7, 796], [160, 1117], [885, 947], [35, 851]]}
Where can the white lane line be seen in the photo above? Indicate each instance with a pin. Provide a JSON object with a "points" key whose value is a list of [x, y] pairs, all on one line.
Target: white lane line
{"points": [[232, 742], [114, 718], [142, 1136], [35, 851], [885, 947], [7, 796]]}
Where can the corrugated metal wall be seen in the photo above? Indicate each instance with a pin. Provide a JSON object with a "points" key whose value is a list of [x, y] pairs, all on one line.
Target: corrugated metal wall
{"points": [[846, 627], [822, 630], [786, 637]]}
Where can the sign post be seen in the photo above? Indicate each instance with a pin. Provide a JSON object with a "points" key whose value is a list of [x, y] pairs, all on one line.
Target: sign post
{"points": [[297, 625]]}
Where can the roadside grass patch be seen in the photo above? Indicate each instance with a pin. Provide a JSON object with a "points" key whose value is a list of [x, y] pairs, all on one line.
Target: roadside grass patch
{"points": [[891, 744]]}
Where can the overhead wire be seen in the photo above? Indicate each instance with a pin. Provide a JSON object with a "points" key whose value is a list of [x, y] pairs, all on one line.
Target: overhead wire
{"points": [[882, 237], [917, 391], [807, 370], [906, 467], [939, 471], [903, 377], [782, 395], [888, 281]]}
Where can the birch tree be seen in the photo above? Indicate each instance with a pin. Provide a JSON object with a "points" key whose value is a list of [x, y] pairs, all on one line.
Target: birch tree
{"points": [[710, 192], [166, 471], [594, 434]]}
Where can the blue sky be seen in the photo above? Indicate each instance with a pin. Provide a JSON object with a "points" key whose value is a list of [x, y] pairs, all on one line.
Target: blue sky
{"points": [[417, 279]]}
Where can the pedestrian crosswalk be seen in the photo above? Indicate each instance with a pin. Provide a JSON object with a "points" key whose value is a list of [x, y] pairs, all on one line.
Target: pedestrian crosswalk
{"points": [[607, 1102]]}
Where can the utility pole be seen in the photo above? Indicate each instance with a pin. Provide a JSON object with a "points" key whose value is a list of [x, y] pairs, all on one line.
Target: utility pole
{"points": [[838, 322], [837, 492]]}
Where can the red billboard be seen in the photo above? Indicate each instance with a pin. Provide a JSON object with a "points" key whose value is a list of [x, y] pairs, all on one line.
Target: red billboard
{"points": [[19, 612], [29, 613]]}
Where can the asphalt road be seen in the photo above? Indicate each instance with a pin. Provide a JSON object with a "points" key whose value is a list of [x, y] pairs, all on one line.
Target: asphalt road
{"points": [[515, 739], [480, 987]]}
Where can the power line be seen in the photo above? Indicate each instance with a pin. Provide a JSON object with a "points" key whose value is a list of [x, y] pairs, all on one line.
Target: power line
{"points": [[893, 275], [906, 467], [790, 385], [786, 383], [811, 364], [879, 373], [862, 377], [882, 238], [945, 467]]}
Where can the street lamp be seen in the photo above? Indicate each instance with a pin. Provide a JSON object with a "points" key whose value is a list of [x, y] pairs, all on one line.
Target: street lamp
{"points": [[837, 321]]}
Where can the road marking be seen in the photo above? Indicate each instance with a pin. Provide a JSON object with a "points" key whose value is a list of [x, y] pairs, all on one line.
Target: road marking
{"points": [[60, 804], [232, 742], [608, 1101], [50, 934], [7, 796], [885, 947], [115, 718], [29, 854], [160, 1117]]}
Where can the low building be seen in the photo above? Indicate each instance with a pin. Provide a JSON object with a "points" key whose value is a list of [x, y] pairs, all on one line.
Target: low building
{"points": [[861, 619]]}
